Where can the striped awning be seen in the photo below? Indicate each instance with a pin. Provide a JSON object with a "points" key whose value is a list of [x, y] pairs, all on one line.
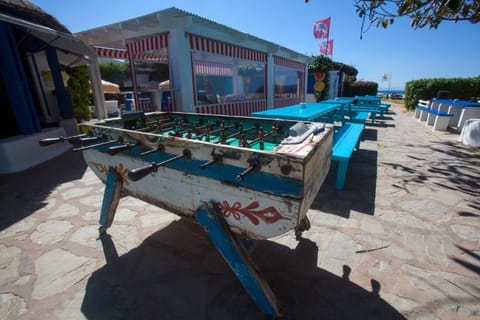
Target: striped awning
{"points": [[123, 54], [111, 53], [154, 43], [223, 48], [288, 63], [212, 69], [139, 50]]}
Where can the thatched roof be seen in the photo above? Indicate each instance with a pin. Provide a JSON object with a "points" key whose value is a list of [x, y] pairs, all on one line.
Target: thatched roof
{"points": [[25, 10]]}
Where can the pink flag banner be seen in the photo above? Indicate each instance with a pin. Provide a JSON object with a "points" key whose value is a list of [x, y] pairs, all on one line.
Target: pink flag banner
{"points": [[326, 48], [321, 28]]}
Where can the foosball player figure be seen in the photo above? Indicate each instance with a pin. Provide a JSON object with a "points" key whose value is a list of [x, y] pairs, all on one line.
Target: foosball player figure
{"points": [[261, 143], [243, 141]]}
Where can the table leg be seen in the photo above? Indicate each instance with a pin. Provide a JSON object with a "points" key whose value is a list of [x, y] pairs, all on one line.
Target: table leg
{"points": [[235, 255], [111, 197]]}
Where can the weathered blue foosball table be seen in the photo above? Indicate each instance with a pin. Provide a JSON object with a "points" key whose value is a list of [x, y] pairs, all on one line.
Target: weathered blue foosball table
{"points": [[237, 176]]}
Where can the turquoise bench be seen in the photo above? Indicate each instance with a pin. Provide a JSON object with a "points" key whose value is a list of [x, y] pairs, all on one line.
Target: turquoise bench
{"points": [[386, 106], [378, 108], [359, 117], [345, 140], [372, 110]]}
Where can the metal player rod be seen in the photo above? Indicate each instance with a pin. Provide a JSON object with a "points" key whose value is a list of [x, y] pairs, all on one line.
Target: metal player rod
{"points": [[138, 173], [207, 131], [217, 158], [239, 133], [254, 166], [113, 150], [98, 144], [219, 129], [50, 141], [185, 126], [159, 148], [257, 139]]}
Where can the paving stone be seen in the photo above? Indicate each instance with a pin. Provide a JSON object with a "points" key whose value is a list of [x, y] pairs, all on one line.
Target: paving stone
{"points": [[68, 270], [405, 219], [370, 225], [380, 267], [448, 291], [91, 216], [427, 209], [9, 262], [94, 200], [157, 219], [75, 193], [124, 215], [398, 252], [19, 228], [125, 238], [87, 236], [410, 308], [72, 309], [50, 232], [467, 232], [435, 249], [322, 219], [23, 280], [11, 306], [64, 210], [370, 242]]}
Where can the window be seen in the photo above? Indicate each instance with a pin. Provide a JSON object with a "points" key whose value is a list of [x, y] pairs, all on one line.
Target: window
{"points": [[223, 79], [288, 82]]}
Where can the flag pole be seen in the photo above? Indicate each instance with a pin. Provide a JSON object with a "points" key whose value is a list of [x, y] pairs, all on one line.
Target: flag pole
{"points": [[389, 81]]}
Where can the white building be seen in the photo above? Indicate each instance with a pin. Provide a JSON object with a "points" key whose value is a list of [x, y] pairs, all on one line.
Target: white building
{"points": [[212, 68]]}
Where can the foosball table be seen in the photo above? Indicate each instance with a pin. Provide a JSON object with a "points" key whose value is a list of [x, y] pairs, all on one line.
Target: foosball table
{"points": [[239, 177]]}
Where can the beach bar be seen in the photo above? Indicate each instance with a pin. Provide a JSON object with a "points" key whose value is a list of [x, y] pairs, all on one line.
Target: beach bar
{"points": [[212, 68]]}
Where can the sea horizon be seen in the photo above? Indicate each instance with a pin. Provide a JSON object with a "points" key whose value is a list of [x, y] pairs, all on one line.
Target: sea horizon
{"points": [[386, 91]]}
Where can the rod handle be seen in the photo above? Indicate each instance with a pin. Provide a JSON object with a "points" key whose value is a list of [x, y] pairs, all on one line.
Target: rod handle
{"points": [[113, 150], [139, 173]]}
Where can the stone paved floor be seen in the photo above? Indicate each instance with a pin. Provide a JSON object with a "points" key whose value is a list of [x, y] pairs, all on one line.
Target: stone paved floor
{"points": [[401, 241]]}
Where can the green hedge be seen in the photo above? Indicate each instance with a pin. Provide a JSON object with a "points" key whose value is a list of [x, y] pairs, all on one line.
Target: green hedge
{"points": [[359, 88], [426, 89], [79, 89]]}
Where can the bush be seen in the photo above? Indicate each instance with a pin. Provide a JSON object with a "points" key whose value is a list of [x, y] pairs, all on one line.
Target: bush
{"points": [[79, 89], [359, 88], [427, 89]]}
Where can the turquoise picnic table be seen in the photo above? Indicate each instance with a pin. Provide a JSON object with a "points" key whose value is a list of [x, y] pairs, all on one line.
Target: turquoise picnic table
{"points": [[354, 106], [309, 111], [346, 137]]}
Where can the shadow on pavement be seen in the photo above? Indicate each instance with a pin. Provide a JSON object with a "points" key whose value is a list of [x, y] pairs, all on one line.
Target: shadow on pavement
{"points": [[24, 192], [360, 186], [176, 273], [467, 264], [455, 167]]}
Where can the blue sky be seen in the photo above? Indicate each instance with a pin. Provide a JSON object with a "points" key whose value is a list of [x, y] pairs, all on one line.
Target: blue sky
{"points": [[452, 50]]}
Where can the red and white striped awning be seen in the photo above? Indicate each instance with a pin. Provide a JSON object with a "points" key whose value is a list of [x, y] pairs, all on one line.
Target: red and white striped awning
{"points": [[212, 69], [139, 50], [288, 63], [154, 43], [111, 53], [223, 48], [123, 54]]}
